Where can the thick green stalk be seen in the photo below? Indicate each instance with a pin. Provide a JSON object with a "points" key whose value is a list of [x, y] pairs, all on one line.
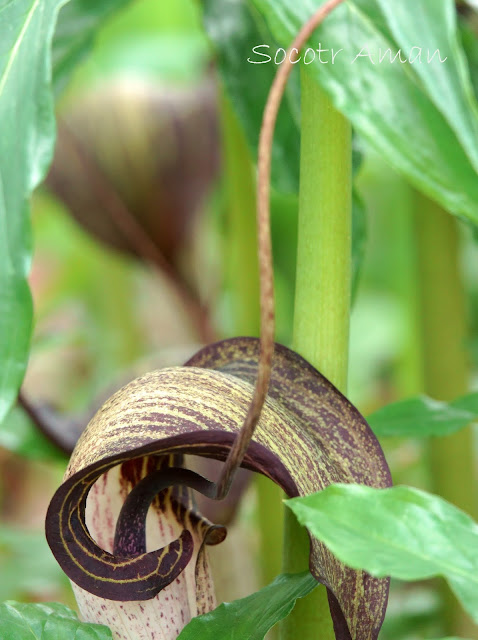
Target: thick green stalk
{"points": [[243, 276], [322, 304], [445, 366]]}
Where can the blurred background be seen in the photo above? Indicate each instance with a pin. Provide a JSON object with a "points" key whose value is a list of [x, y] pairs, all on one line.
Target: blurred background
{"points": [[135, 266]]}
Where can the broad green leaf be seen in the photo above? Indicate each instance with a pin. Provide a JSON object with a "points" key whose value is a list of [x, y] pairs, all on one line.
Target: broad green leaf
{"points": [[251, 618], [27, 567], [448, 85], [26, 145], [422, 417], [77, 25], [400, 109], [399, 532], [49, 621]]}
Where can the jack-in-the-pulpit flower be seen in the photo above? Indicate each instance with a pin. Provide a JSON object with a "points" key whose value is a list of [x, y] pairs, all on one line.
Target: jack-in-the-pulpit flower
{"points": [[148, 575], [189, 594]]}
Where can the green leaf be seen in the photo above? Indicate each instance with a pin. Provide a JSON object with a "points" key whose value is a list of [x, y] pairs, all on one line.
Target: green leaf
{"points": [[448, 85], [26, 145], [399, 532], [423, 417], [77, 25], [251, 618], [420, 117], [49, 621]]}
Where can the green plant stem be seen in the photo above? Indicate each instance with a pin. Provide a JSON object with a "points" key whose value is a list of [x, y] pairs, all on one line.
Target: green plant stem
{"points": [[445, 366], [243, 275], [408, 374], [394, 266], [241, 251], [322, 303]]}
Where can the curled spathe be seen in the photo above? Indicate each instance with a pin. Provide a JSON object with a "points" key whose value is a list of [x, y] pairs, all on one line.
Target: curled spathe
{"points": [[308, 436]]}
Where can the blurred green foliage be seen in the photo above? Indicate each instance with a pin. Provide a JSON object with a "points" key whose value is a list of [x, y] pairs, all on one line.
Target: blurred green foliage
{"points": [[27, 566]]}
